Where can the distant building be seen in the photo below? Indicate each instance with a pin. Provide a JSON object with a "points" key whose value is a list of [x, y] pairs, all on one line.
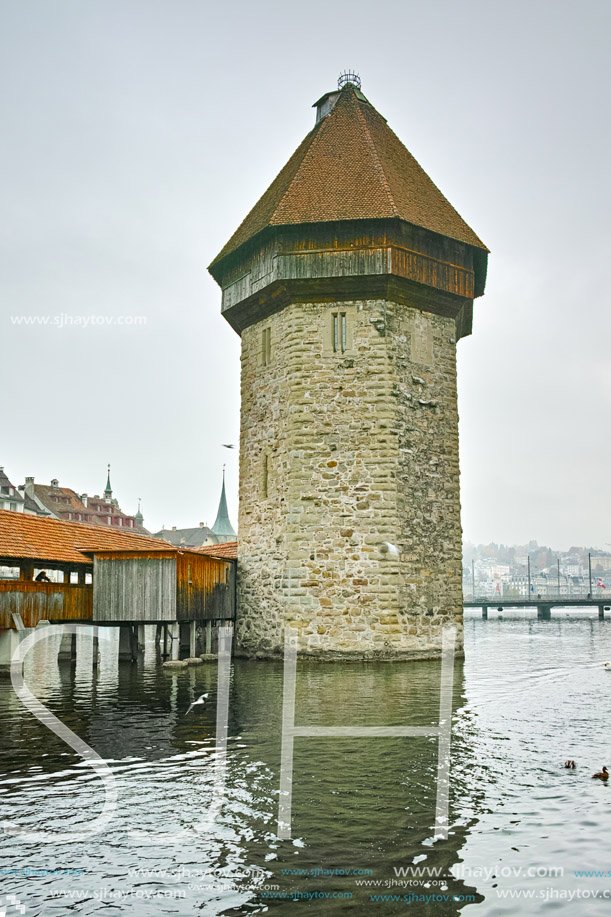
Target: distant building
{"points": [[64, 503], [572, 569], [222, 531], [12, 498], [189, 538]]}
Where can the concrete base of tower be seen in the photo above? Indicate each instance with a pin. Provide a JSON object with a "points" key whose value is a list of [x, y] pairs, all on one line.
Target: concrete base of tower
{"points": [[387, 655], [341, 649]]}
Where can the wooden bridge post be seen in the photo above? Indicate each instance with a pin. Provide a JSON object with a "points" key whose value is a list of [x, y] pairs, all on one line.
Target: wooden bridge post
{"points": [[208, 637], [192, 638], [185, 639], [174, 629], [95, 649], [67, 649], [128, 646], [601, 612], [9, 640], [165, 641], [26, 570], [141, 635]]}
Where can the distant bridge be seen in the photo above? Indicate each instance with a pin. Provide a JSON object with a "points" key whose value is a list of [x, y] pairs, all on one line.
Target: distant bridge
{"points": [[543, 604]]}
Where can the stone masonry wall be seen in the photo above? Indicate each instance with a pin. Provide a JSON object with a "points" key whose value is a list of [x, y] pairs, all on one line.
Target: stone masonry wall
{"points": [[341, 452]]}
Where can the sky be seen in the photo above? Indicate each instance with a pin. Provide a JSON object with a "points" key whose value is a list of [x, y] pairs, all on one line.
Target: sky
{"points": [[137, 135]]}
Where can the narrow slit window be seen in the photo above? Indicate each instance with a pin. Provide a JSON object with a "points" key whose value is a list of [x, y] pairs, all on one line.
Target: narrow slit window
{"points": [[265, 475], [340, 332], [266, 346]]}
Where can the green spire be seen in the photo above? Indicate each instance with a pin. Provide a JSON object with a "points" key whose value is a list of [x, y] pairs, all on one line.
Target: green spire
{"points": [[222, 526], [108, 491]]}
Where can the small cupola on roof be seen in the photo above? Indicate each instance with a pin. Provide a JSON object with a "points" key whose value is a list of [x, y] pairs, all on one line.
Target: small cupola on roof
{"points": [[351, 211], [326, 102]]}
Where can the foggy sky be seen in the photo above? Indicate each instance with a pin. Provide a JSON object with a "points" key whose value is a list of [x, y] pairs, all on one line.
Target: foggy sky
{"points": [[136, 136]]}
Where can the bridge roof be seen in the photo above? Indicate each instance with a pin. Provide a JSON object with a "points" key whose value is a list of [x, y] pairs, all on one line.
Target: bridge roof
{"points": [[228, 550], [28, 537]]}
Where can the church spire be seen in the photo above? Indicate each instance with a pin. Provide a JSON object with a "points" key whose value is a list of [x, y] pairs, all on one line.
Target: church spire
{"points": [[222, 527], [108, 491]]}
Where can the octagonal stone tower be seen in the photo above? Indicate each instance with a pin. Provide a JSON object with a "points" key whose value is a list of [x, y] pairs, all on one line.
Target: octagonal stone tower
{"points": [[350, 282]]}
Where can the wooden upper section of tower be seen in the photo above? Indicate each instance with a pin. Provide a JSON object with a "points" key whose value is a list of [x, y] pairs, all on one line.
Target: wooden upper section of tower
{"points": [[350, 186]]}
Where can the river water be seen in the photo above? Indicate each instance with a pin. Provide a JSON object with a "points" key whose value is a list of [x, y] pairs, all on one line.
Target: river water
{"points": [[528, 695]]}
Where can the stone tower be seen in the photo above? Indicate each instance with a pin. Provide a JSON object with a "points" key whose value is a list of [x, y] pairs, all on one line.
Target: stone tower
{"points": [[350, 282]]}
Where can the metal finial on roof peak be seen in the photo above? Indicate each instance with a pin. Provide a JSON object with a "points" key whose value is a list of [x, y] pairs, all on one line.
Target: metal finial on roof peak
{"points": [[348, 77]]}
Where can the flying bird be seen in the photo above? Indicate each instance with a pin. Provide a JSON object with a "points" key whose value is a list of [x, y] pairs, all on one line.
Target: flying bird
{"points": [[200, 700], [228, 446]]}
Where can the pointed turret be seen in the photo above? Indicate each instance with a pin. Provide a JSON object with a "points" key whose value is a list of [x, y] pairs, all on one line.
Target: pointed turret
{"points": [[222, 527], [108, 490], [139, 517]]}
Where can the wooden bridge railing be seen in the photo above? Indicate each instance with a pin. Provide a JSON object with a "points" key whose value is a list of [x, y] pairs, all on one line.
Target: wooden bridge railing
{"points": [[44, 601]]}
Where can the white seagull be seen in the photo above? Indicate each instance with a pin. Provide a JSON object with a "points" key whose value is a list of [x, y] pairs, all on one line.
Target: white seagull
{"points": [[387, 548], [200, 700]]}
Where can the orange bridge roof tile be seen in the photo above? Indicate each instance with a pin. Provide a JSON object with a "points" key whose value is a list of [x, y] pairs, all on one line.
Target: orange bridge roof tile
{"points": [[38, 538]]}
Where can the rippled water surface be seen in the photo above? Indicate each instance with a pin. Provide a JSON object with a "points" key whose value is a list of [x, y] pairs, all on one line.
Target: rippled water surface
{"points": [[528, 695]]}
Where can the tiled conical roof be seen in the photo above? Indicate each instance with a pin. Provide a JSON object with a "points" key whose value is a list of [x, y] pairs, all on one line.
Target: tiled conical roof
{"points": [[351, 166]]}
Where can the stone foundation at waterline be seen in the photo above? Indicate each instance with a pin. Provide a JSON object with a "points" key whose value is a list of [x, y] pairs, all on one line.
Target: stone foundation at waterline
{"points": [[349, 441]]}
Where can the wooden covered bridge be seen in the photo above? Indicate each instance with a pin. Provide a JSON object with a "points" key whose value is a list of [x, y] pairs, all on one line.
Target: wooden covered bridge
{"points": [[110, 578]]}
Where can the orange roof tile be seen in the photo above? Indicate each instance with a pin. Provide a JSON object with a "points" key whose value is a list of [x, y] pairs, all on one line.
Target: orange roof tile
{"points": [[39, 538], [351, 166], [228, 549]]}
